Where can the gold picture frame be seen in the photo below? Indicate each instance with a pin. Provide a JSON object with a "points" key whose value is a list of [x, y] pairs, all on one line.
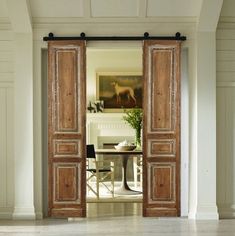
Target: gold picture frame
{"points": [[119, 90]]}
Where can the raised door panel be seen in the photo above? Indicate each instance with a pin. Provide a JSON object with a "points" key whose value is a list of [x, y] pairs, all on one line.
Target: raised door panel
{"points": [[66, 99], [162, 176], [161, 90], [66, 148], [161, 148], [66, 182], [66, 128], [161, 131]]}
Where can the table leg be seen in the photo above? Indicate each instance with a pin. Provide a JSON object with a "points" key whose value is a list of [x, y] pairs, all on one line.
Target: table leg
{"points": [[124, 188]]}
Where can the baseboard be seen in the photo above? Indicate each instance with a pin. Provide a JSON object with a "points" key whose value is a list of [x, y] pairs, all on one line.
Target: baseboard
{"points": [[191, 215], [226, 211], [207, 216], [39, 215], [6, 213], [204, 212], [23, 213]]}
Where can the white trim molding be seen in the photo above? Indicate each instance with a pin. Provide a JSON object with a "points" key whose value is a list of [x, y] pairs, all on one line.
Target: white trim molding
{"points": [[39, 215], [225, 84], [207, 212], [6, 213], [24, 213], [226, 211], [204, 212]]}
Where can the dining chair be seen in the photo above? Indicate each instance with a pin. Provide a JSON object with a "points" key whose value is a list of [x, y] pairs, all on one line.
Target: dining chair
{"points": [[137, 170], [102, 172]]}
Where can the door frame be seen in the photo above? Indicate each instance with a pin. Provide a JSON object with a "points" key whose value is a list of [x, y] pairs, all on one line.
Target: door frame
{"points": [[41, 90]]}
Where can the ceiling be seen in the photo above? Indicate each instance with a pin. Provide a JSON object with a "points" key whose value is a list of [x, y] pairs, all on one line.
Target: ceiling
{"points": [[92, 10], [109, 8], [114, 8]]}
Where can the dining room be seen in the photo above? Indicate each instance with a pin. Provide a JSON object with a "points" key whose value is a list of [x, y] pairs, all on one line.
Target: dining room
{"points": [[106, 128]]}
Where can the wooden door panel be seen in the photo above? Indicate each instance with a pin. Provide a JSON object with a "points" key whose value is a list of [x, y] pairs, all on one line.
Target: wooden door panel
{"points": [[66, 148], [66, 128], [161, 89], [66, 101], [161, 148], [160, 93], [162, 178], [161, 131], [66, 182]]}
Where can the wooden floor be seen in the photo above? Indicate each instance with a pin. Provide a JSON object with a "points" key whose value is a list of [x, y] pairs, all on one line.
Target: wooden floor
{"points": [[105, 219]]}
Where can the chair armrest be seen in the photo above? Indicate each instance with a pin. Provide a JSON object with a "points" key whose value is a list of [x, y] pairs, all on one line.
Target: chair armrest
{"points": [[105, 163]]}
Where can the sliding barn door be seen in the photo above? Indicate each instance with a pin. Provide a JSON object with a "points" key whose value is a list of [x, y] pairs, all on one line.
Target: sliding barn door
{"points": [[66, 128], [161, 132]]}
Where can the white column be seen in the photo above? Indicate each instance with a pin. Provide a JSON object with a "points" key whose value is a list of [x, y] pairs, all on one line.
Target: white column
{"points": [[205, 164], [192, 195], [24, 181]]}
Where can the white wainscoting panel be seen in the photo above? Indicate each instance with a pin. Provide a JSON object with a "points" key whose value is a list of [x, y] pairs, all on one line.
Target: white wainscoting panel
{"points": [[225, 54], [225, 120], [6, 124], [6, 150], [226, 151]]}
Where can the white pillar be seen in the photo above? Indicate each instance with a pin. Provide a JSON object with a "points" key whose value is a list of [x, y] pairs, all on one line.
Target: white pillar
{"points": [[24, 187], [204, 205]]}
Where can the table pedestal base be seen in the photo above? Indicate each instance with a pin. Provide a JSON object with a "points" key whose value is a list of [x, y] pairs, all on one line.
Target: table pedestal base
{"points": [[125, 189]]}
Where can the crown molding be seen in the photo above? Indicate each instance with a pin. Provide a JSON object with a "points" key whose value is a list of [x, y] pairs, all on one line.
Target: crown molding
{"points": [[227, 19], [226, 22], [150, 24], [75, 20]]}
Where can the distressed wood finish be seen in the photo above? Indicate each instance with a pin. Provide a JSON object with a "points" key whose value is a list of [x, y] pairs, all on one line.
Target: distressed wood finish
{"points": [[66, 180], [161, 131], [66, 128]]}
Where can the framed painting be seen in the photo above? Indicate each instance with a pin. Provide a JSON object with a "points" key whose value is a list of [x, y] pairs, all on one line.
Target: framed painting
{"points": [[119, 90]]}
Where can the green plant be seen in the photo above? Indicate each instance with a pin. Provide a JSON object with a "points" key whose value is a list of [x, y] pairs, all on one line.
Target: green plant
{"points": [[134, 118]]}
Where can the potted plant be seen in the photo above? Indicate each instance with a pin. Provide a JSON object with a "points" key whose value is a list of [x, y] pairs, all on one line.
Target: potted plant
{"points": [[134, 118]]}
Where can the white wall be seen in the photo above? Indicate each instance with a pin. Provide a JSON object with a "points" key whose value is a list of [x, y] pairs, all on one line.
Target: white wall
{"points": [[167, 28], [226, 118], [6, 124], [125, 26], [110, 60]]}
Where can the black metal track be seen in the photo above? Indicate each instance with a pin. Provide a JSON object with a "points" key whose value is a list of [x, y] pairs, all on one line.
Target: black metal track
{"points": [[146, 36]]}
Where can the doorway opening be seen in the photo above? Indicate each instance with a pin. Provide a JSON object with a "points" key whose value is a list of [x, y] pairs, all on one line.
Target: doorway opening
{"points": [[106, 127]]}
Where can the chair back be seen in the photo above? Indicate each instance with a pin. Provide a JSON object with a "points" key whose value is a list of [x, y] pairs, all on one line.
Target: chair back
{"points": [[90, 150]]}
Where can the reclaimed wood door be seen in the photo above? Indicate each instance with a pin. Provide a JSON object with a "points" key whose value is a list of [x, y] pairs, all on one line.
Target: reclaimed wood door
{"points": [[161, 131], [66, 129]]}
